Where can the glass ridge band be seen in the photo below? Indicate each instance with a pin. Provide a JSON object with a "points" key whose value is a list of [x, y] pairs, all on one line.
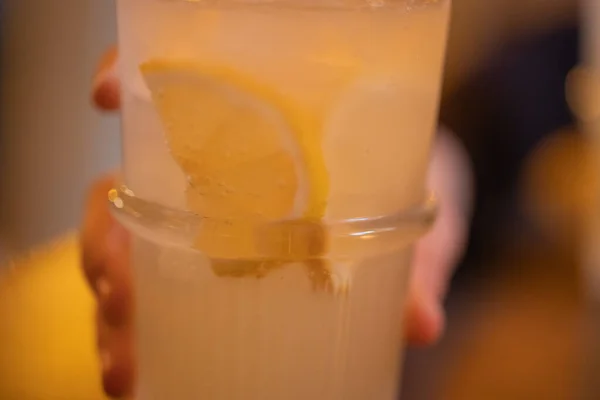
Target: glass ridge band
{"points": [[348, 238]]}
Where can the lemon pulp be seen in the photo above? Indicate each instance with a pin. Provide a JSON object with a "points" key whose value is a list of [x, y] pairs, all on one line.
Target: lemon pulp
{"points": [[249, 155]]}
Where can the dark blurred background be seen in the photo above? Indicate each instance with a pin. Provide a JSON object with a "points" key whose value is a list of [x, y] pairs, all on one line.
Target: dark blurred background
{"points": [[521, 324]]}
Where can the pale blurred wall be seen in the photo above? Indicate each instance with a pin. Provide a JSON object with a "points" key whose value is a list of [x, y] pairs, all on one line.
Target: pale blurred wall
{"points": [[53, 142], [57, 143]]}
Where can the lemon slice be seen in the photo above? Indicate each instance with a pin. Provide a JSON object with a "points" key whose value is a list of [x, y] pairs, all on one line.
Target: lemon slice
{"points": [[248, 153]]}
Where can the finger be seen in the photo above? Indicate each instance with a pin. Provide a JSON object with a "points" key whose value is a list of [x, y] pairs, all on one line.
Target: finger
{"points": [[424, 320], [115, 292], [106, 86], [115, 321], [97, 224], [433, 264], [115, 347], [437, 253]]}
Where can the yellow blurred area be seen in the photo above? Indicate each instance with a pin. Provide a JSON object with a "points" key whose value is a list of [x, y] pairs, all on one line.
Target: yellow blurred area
{"points": [[46, 328]]}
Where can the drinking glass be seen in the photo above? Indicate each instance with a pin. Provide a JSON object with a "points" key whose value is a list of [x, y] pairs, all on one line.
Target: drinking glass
{"points": [[274, 163]]}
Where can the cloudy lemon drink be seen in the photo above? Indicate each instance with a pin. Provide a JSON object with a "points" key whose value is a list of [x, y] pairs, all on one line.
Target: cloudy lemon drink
{"points": [[274, 165]]}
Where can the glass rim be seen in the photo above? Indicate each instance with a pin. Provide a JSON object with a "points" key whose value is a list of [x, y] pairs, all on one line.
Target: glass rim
{"points": [[353, 235], [313, 4]]}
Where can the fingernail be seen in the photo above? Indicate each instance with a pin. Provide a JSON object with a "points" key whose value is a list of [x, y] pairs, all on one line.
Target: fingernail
{"points": [[426, 315], [105, 85], [434, 316]]}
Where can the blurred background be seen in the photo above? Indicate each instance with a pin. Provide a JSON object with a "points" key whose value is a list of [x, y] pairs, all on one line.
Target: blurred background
{"points": [[53, 142], [522, 320]]}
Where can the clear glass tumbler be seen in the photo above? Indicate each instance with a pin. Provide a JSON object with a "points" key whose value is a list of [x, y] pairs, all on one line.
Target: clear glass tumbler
{"points": [[275, 154]]}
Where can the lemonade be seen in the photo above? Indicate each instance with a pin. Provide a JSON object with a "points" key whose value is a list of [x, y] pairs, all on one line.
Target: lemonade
{"points": [[207, 337], [274, 160]]}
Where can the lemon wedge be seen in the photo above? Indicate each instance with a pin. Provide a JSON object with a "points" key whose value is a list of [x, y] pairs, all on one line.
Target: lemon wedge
{"points": [[248, 152]]}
